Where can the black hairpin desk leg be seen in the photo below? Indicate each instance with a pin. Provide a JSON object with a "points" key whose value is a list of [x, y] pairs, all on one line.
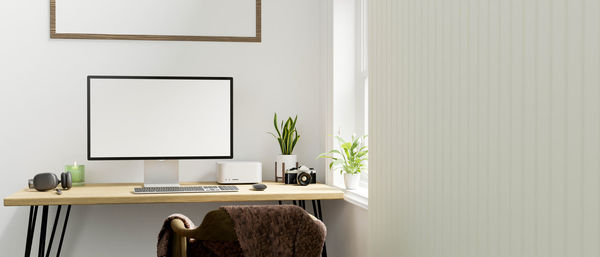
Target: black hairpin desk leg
{"points": [[43, 231], [30, 229], [53, 230], [319, 214], [62, 235], [42, 251]]}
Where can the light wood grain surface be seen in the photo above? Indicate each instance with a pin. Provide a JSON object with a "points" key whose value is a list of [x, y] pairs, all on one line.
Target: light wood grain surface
{"points": [[122, 194]]}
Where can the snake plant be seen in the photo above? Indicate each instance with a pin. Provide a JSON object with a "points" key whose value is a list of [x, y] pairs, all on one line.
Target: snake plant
{"points": [[287, 135]]}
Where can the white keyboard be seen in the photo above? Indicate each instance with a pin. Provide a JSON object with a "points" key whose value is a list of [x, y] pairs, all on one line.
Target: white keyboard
{"points": [[184, 189]]}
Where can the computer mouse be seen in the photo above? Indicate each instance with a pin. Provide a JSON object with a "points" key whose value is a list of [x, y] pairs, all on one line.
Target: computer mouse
{"points": [[259, 187]]}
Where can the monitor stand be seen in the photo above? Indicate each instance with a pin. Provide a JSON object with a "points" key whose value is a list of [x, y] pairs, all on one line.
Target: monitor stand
{"points": [[161, 173]]}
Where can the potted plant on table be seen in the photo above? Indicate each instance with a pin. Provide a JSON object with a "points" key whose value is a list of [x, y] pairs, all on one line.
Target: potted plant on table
{"points": [[350, 159], [287, 137]]}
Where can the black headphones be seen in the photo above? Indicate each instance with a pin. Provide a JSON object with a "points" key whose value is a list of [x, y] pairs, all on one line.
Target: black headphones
{"points": [[49, 181]]}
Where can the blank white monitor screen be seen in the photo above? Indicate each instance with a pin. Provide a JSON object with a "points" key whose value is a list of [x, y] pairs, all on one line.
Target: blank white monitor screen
{"points": [[141, 118]]}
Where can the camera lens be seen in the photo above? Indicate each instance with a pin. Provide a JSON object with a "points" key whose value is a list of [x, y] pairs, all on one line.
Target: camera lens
{"points": [[303, 179]]}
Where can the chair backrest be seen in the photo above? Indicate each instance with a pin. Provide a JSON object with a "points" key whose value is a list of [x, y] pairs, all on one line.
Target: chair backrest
{"points": [[217, 226]]}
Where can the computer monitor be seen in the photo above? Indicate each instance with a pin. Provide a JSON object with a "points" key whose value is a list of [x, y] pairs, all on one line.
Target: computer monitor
{"points": [[160, 120]]}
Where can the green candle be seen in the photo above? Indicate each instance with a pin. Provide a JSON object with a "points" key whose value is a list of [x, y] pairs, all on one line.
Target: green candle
{"points": [[77, 173]]}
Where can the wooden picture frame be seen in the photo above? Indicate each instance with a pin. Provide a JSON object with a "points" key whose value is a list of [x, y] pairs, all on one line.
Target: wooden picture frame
{"points": [[54, 34]]}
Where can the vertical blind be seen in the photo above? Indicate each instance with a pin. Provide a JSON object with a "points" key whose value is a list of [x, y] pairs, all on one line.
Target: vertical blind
{"points": [[484, 128]]}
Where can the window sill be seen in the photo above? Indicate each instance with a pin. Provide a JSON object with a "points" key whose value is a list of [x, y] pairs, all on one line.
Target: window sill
{"points": [[358, 197]]}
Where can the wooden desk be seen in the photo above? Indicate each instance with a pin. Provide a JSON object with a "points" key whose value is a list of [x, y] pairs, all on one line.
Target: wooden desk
{"points": [[122, 194]]}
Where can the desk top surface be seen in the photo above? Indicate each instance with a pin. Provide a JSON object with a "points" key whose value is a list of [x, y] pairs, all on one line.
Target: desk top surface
{"points": [[121, 193]]}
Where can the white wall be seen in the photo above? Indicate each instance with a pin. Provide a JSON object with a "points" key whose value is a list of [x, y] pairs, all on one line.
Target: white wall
{"points": [[347, 229], [485, 128], [42, 114]]}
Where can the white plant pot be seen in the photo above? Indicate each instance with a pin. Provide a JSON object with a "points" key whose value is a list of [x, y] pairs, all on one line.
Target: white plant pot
{"points": [[289, 160], [351, 180]]}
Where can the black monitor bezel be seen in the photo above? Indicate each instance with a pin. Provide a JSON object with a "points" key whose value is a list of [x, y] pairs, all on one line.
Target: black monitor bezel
{"points": [[90, 158]]}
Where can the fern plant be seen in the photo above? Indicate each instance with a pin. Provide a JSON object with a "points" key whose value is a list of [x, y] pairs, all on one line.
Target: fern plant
{"points": [[287, 135], [353, 155]]}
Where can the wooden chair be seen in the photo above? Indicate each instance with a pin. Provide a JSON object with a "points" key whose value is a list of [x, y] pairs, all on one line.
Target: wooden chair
{"points": [[217, 225]]}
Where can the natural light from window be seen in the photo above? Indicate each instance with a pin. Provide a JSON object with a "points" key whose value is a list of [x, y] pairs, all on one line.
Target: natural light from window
{"points": [[350, 84]]}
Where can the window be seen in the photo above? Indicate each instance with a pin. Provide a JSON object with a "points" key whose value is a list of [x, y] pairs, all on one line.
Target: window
{"points": [[350, 79]]}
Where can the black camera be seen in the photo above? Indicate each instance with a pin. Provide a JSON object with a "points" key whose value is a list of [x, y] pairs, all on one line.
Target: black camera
{"points": [[300, 176]]}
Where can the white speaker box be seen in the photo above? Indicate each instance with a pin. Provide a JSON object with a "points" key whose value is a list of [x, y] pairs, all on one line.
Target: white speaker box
{"points": [[238, 172]]}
